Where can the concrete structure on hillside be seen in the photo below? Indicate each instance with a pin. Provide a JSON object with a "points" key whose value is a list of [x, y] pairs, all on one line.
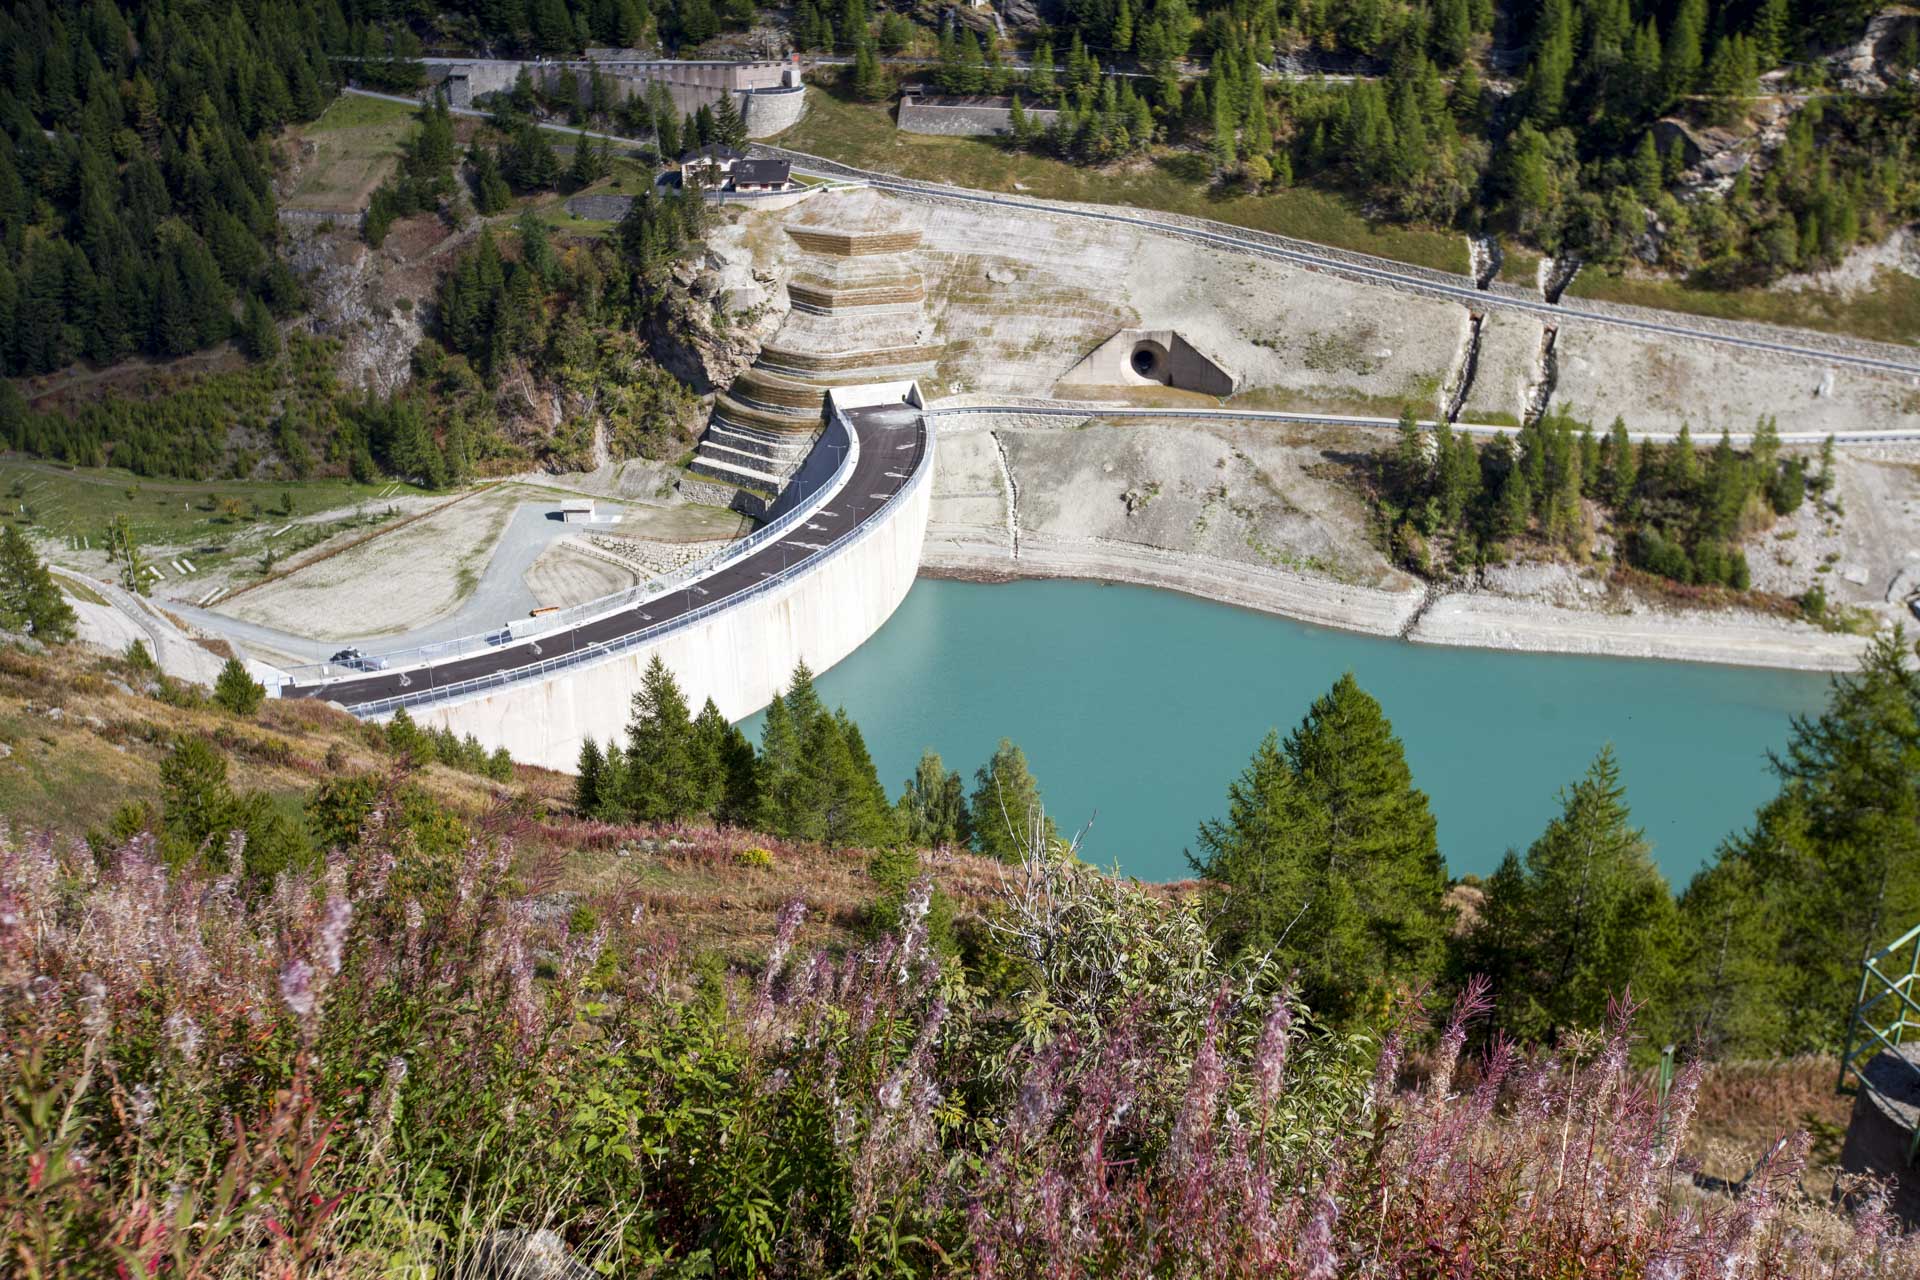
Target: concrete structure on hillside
{"points": [[1145, 357], [964, 115], [838, 555], [577, 510], [769, 93]]}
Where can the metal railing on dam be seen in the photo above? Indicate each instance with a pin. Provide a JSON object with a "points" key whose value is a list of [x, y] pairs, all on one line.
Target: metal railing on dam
{"points": [[867, 482]]}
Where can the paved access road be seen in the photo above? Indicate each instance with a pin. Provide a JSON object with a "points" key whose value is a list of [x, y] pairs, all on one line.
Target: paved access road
{"points": [[1100, 411], [892, 440]]}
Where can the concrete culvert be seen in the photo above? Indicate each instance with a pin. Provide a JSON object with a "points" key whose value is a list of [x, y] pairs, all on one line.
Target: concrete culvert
{"points": [[1150, 361]]}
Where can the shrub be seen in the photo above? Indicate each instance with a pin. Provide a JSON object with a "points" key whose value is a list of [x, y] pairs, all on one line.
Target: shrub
{"points": [[340, 1070], [755, 857]]}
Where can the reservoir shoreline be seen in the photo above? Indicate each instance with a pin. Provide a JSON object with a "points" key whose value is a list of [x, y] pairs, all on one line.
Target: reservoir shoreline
{"points": [[1461, 619]]}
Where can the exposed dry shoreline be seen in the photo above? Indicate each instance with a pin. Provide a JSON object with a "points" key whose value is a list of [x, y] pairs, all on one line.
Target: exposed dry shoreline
{"points": [[1468, 619]]}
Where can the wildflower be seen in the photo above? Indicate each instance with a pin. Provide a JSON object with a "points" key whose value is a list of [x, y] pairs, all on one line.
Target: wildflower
{"points": [[296, 988], [144, 1105], [1317, 1251], [1270, 1056], [333, 934], [183, 1033], [94, 1013]]}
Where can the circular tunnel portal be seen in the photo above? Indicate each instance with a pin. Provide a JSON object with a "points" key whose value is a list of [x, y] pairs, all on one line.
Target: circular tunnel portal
{"points": [[1149, 361]]}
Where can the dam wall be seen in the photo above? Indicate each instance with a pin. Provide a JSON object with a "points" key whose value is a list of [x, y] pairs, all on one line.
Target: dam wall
{"points": [[740, 656]]}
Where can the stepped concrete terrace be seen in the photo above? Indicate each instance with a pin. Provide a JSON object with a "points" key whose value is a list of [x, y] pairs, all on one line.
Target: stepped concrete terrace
{"points": [[837, 558], [855, 293]]}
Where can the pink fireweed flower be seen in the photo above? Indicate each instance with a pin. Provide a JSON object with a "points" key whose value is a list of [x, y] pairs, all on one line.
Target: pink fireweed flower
{"points": [[1319, 1258], [296, 988], [1270, 1056], [333, 934]]}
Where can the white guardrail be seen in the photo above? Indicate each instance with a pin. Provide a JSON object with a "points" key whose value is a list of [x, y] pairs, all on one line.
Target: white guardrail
{"points": [[426, 655], [645, 635]]}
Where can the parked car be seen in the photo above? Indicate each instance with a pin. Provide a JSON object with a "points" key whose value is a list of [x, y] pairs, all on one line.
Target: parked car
{"points": [[359, 661]]}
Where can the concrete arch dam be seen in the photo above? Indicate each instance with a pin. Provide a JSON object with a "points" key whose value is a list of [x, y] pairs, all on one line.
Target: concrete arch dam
{"points": [[812, 585]]}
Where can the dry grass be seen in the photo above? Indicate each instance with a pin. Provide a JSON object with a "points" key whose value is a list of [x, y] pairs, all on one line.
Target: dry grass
{"points": [[1888, 312], [80, 741], [1745, 1107], [346, 153]]}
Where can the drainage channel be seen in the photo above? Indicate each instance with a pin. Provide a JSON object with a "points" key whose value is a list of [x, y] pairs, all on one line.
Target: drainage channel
{"points": [[1542, 393], [1469, 365], [1555, 275], [1013, 493], [1483, 252]]}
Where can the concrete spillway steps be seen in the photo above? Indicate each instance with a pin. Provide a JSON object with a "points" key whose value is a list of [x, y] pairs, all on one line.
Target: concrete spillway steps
{"points": [[717, 462]]}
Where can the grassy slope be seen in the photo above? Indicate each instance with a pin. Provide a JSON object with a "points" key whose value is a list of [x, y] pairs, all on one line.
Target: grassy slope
{"points": [[1889, 312], [356, 144], [864, 135], [78, 743]]}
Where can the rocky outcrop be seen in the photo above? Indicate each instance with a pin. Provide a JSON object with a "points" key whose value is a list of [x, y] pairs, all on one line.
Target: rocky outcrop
{"points": [[717, 313], [353, 300], [1876, 59]]}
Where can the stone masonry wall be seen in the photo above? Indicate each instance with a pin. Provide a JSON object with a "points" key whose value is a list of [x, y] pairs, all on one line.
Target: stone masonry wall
{"points": [[965, 122]]}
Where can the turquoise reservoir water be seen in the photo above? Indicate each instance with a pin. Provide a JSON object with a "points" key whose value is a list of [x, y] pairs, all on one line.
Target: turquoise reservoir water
{"points": [[1137, 707]]}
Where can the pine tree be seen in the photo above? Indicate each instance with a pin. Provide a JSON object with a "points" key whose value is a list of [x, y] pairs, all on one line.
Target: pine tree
{"points": [[1223, 141], [588, 165], [236, 690], [29, 600], [1683, 464], [1647, 174], [1625, 476], [661, 785], [1680, 72], [1585, 917], [1830, 870], [1006, 807], [259, 337], [868, 85], [1772, 29], [729, 130], [588, 776], [1328, 845], [1040, 72]]}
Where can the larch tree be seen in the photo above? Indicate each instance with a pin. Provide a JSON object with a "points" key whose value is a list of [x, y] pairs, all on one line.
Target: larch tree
{"points": [[1329, 854], [29, 599], [662, 783], [1583, 918]]}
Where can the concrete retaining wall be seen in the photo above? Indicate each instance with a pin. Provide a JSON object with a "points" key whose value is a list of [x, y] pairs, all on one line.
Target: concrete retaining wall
{"points": [[768, 102], [969, 120], [739, 657], [770, 111]]}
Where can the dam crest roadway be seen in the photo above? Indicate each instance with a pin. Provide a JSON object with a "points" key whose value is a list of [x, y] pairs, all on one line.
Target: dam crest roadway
{"points": [[837, 556]]}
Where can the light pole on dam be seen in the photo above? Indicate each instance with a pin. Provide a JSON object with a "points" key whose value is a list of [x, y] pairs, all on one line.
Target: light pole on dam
{"points": [[837, 556]]}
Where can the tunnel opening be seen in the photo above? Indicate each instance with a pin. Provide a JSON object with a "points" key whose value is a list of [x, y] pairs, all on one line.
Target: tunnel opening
{"points": [[1149, 361]]}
